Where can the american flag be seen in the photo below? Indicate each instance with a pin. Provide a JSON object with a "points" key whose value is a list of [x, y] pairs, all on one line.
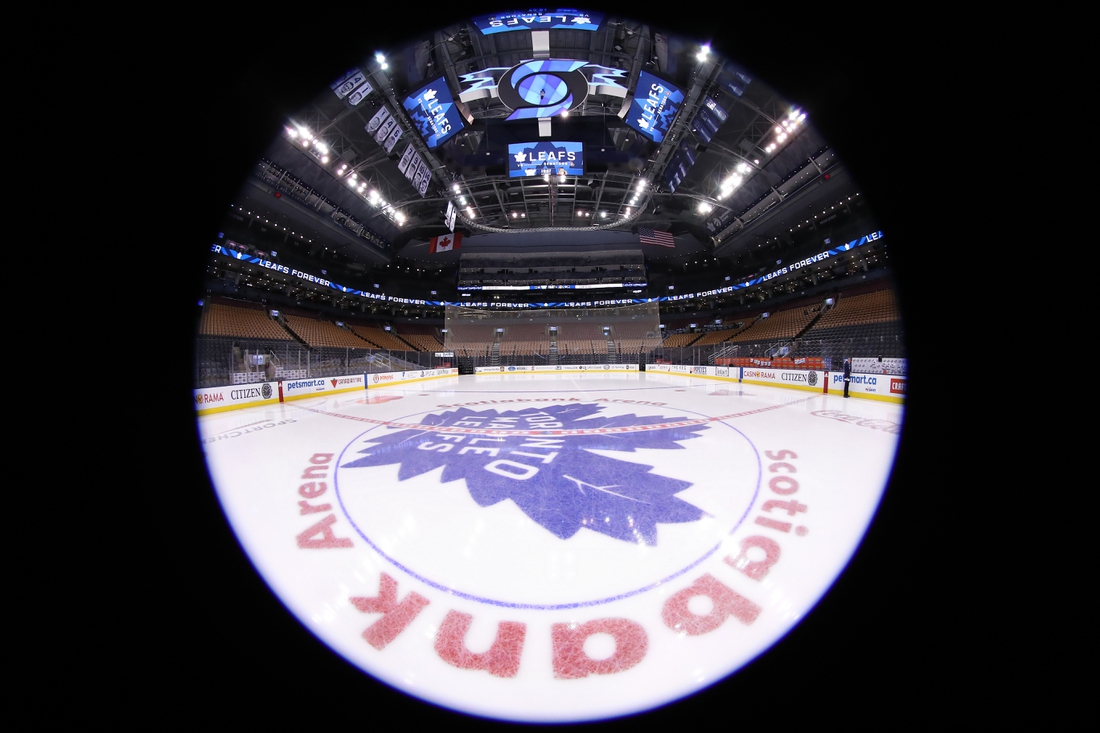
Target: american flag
{"points": [[648, 236]]}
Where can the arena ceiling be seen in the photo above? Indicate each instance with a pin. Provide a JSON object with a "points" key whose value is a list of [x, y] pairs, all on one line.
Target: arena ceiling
{"points": [[786, 173]]}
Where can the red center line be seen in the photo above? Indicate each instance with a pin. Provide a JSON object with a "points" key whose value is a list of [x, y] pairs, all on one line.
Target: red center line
{"points": [[548, 431]]}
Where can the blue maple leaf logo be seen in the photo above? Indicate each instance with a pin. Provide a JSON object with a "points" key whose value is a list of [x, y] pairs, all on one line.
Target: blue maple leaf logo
{"points": [[555, 479]]}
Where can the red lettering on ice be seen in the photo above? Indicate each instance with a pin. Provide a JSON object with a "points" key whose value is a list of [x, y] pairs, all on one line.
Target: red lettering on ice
{"points": [[572, 662], [395, 616], [755, 569], [725, 602], [502, 659], [320, 536]]}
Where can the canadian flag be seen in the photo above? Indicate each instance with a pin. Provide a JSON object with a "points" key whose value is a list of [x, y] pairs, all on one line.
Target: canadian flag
{"points": [[446, 242]]}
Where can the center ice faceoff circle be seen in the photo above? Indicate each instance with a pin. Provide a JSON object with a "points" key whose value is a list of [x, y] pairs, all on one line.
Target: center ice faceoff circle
{"points": [[548, 504]]}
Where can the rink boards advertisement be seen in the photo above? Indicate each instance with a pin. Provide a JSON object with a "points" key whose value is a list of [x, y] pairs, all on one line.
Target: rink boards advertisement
{"points": [[887, 387], [297, 388], [868, 365], [558, 368], [388, 379], [220, 399], [711, 372], [806, 380]]}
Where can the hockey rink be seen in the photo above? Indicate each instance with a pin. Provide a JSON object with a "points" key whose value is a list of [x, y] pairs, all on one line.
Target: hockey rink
{"points": [[553, 548]]}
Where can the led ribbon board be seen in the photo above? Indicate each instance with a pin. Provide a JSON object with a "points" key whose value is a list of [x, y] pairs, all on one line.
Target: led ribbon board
{"points": [[786, 269], [582, 286], [433, 112], [654, 106], [555, 158], [542, 87], [534, 20]]}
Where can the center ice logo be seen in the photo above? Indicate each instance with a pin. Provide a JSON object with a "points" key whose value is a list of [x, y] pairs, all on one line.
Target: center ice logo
{"points": [[555, 479]]}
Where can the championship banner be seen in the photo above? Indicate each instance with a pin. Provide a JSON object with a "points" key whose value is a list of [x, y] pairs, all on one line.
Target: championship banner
{"points": [[733, 79], [680, 162], [360, 94], [384, 129], [376, 121], [417, 172], [406, 158], [449, 217], [654, 106], [392, 139], [433, 112], [349, 81]]}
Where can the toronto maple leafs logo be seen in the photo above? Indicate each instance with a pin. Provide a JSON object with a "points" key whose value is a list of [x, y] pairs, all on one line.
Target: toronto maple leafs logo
{"points": [[556, 479]]}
